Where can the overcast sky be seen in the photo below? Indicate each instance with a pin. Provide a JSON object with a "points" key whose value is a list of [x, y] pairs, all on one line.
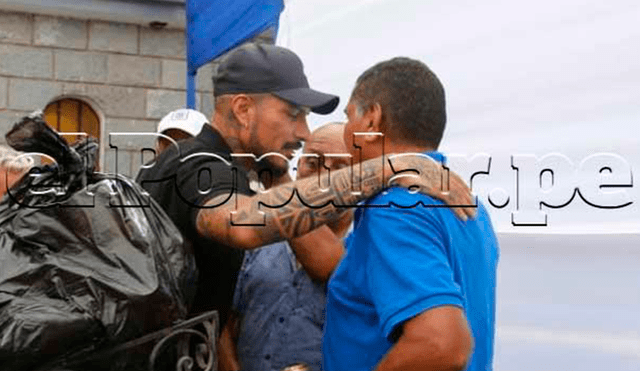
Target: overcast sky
{"points": [[521, 77]]}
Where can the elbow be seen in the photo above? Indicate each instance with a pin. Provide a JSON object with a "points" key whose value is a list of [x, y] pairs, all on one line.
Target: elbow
{"points": [[212, 225], [456, 355], [460, 360], [439, 339], [200, 224], [243, 240], [448, 352], [443, 355], [206, 225]]}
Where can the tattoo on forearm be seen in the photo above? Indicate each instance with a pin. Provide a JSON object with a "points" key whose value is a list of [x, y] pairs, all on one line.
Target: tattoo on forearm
{"points": [[296, 208], [296, 211]]}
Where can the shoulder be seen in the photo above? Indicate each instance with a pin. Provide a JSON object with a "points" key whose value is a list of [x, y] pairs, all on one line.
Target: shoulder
{"points": [[397, 209], [194, 150], [395, 199], [399, 215], [208, 165], [399, 203], [402, 198]]}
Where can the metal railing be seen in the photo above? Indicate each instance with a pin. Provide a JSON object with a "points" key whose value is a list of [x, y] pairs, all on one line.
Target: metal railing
{"points": [[190, 344]]}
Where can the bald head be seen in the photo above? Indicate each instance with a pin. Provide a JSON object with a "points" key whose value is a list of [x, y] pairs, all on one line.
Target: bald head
{"points": [[329, 131], [325, 140], [13, 165]]}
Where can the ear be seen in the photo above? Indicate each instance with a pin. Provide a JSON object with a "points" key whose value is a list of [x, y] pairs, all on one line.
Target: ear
{"points": [[374, 122], [243, 110]]}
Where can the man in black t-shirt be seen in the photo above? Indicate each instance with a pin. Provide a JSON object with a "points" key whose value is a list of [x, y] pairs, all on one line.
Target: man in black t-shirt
{"points": [[262, 98], [175, 181], [184, 177]]}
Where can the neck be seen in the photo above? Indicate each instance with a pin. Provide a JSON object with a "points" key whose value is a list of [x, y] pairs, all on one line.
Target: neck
{"points": [[229, 131], [391, 147]]}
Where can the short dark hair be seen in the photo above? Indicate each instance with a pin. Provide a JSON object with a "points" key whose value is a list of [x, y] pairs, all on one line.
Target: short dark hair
{"points": [[411, 97]]}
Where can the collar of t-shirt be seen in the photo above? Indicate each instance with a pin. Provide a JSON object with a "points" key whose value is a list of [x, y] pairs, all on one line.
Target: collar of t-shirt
{"points": [[214, 139], [438, 156]]}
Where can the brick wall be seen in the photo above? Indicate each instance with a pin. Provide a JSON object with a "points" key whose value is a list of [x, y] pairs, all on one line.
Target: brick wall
{"points": [[131, 75]]}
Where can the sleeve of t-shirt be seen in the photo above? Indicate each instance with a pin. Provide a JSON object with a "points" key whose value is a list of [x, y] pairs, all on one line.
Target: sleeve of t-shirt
{"points": [[408, 266], [203, 177]]}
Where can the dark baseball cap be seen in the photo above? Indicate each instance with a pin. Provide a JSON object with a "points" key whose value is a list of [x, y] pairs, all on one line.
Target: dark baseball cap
{"points": [[266, 68]]}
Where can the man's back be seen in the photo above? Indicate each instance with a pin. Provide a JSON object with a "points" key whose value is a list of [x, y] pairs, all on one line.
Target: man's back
{"points": [[401, 262]]}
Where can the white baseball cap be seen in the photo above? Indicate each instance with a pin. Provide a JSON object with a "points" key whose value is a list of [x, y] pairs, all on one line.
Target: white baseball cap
{"points": [[187, 120]]}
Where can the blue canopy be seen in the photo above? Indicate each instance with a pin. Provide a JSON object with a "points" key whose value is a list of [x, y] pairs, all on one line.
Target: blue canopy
{"points": [[216, 26]]}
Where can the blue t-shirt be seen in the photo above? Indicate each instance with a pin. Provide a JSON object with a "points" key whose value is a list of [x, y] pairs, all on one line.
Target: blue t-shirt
{"points": [[401, 262]]}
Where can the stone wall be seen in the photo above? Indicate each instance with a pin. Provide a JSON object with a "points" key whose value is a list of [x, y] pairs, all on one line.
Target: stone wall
{"points": [[131, 75]]}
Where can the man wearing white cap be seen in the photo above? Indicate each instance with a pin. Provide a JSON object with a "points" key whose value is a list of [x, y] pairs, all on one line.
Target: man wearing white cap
{"points": [[180, 124]]}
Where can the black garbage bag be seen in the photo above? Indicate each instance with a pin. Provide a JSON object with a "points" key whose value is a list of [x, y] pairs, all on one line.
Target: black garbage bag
{"points": [[75, 270]]}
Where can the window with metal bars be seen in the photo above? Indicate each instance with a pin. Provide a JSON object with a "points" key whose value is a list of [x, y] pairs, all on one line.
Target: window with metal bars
{"points": [[71, 115]]}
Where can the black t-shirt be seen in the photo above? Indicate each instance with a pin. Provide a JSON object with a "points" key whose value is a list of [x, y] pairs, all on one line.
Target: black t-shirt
{"points": [[182, 182]]}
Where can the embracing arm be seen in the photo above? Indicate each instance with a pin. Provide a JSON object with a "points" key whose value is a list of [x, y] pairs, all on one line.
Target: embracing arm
{"points": [[436, 340], [283, 212]]}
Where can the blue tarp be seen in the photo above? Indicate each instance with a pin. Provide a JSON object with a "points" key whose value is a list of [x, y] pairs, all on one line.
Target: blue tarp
{"points": [[216, 26]]}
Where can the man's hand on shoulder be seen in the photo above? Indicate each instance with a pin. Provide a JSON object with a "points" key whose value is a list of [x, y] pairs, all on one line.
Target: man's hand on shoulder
{"points": [[418, 172]]}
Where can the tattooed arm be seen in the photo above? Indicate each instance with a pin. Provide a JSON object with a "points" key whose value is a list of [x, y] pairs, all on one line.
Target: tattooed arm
{"points": [[294, 209]]}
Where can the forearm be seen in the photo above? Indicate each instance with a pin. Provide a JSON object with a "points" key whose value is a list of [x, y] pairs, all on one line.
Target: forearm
{"points": [[319, 252], [293, 209]]}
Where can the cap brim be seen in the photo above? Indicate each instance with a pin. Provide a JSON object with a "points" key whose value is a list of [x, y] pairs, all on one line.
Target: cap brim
{"points": [[320, 103]]}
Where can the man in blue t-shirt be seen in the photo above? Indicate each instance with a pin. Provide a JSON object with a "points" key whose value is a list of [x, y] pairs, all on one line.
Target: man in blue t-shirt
{"points": [[416, 288]]}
